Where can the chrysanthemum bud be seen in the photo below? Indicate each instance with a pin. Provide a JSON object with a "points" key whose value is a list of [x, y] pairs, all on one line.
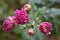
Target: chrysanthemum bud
{"points": [[27, 7], [30, 32]]}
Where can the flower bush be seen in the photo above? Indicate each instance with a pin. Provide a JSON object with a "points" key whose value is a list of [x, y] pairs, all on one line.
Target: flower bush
{"points": [[34, 20]]}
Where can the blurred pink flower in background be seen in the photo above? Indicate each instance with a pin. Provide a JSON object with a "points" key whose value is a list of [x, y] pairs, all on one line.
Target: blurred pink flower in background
{"points": [[20, 17], [46, 28], [8, 24]]}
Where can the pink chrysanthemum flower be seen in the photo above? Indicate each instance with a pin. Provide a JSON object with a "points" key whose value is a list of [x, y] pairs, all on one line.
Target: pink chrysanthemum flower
{"points": [[21, 16], [8, 24], [46, 28]]}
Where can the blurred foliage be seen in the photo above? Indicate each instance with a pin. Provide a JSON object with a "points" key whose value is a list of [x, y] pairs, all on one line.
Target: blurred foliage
{"points": [[42, 10]]}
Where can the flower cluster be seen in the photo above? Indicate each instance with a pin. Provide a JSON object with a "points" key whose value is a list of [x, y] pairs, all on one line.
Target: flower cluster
{"points": [[20, 17]]}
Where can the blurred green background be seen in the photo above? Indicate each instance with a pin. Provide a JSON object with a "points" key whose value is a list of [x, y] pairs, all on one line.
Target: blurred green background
{"points": [[42, 10]]}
